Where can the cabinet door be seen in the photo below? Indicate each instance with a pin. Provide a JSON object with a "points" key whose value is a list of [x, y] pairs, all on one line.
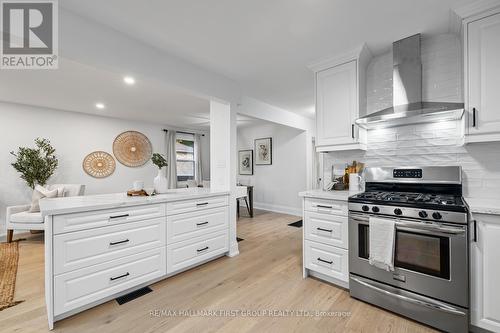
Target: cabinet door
{"points": [[483, 48], [485, 274], [336, 104]]}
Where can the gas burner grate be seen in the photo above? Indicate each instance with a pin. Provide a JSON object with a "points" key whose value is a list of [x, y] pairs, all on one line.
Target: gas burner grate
{"points": [[410, 197]]}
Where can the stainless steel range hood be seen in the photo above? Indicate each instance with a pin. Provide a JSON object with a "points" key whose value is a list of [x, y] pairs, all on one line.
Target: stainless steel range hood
{"points": [[408, 107]]}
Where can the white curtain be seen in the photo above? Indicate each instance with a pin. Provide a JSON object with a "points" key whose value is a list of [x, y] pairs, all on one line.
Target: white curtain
{"points": [[171, 159], [198, 173]]}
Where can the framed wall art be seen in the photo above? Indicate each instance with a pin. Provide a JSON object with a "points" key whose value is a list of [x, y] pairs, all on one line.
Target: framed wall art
{"points": [[264, 151], [245, 162]]}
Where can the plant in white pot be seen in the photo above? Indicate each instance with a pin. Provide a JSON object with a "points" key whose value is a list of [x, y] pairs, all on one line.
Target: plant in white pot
{"points": [[160, 181]]}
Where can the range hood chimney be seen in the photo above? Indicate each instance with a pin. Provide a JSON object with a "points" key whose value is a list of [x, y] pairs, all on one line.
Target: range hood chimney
{"points": [[408, 107]]}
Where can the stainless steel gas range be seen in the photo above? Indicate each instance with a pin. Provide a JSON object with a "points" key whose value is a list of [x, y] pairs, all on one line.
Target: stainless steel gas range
{"points": [[430, 281]]}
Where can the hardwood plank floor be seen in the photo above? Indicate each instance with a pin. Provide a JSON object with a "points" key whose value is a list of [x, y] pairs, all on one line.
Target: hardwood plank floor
{"points": [[267, 275]]}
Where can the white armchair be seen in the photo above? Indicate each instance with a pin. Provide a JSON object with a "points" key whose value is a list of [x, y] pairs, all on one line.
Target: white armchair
{"points": [[19, 217]]}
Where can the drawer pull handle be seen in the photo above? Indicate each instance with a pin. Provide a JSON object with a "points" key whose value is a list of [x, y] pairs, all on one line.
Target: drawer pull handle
{"points": [[203, 249], [201, 204], [327, 230], [120, 242], [119, 277], [119, 216], [325, 261], [322, 206], [202, 223]]}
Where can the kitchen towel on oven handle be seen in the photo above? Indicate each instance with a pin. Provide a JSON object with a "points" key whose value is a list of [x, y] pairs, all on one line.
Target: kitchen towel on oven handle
{"points": [[382, 242]]}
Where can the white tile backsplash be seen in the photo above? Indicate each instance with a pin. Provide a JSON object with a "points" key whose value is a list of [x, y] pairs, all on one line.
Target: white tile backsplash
{"points": [[480, 162], [426, 144]]}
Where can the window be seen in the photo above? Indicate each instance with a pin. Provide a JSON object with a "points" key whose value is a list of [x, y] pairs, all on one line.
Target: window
{"points": [[184, 149]]}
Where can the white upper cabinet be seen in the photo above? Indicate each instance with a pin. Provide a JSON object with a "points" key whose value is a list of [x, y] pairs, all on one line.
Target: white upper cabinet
{"points": [[336, 105], [340, 95], [482, 77]]}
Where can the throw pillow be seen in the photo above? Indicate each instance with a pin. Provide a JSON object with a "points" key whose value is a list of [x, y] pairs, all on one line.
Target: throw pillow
{"points": [[38, 193]]}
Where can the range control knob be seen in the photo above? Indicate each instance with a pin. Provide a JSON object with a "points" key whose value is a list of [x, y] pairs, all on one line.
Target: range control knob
{"points": [[436, 216], [422, 214], [365, 208], [375, 209], [398, 211]]}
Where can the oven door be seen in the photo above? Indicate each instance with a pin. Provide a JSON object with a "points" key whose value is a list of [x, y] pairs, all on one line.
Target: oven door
{"points": [[429, 258]]}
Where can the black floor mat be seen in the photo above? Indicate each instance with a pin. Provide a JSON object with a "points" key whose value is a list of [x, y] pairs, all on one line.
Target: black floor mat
{"points": [[239, 239], [297, 224], [133, 295]]}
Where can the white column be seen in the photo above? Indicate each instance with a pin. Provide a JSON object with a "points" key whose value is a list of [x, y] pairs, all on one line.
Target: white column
{"points": [[223, 162]]}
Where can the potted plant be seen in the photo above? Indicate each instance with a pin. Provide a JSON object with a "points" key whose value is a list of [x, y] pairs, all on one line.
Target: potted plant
{"points": [[160, 181], [36, 165]]}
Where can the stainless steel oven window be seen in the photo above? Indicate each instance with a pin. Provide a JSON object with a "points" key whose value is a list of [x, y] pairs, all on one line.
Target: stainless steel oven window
{"points": [[364, 241], [423, 253]]}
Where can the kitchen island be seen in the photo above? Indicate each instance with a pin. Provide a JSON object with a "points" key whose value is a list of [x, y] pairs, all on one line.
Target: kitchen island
{"points": [[100, 247]]}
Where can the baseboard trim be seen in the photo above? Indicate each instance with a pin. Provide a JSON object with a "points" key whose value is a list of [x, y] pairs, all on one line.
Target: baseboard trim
{"points": [[277, 208]]}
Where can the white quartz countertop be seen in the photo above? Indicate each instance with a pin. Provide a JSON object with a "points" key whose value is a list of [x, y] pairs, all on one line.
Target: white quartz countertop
{"points": [[57, 206], [334, 195], [484, 206]]}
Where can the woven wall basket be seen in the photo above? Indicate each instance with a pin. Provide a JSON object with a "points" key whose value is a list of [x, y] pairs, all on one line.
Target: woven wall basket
{"points": [[99, 164], [132, 148]]}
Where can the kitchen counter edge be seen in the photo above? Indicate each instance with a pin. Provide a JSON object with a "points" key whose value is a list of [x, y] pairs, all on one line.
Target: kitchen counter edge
{"points": [[332, 195], [69, 205], [483, 206]]}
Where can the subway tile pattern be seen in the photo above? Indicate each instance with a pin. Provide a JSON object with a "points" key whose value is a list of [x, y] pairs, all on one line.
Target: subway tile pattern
{"points": [[426, 144], [430, 144]]}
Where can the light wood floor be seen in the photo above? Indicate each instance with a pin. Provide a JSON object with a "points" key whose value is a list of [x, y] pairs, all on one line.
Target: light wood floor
{"points": [[267, 275]]}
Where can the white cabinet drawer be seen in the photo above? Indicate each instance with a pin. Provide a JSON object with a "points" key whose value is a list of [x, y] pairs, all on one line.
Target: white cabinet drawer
{"points": [[326, 206], [105, 217], [185, 226], [187, 206], [80, 249], [188, 253], [91, 284], [328, 260], [328, 229]]}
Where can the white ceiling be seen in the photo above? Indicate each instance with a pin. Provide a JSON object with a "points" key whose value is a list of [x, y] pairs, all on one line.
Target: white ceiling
{"points": [[77, 87], [265, 45]]}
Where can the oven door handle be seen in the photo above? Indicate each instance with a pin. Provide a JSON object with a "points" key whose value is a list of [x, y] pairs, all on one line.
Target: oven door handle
{"points": [[429, 227], [419, 227], [433, 305]]}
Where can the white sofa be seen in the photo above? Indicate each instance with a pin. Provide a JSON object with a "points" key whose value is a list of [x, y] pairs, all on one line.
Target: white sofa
{"points": [[19, 217]]}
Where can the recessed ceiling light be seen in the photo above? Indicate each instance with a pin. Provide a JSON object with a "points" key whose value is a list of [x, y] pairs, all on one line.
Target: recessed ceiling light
{"points": [[100, 106], [129, 80]]}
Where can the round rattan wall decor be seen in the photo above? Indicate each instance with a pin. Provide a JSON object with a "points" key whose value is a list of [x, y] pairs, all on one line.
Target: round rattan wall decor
{"points": [[99, 164], [132, 148]]}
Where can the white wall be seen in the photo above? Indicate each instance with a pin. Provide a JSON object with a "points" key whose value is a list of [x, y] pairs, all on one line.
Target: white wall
{"points": [[276, 186], [427, 144], [73, 135]]}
